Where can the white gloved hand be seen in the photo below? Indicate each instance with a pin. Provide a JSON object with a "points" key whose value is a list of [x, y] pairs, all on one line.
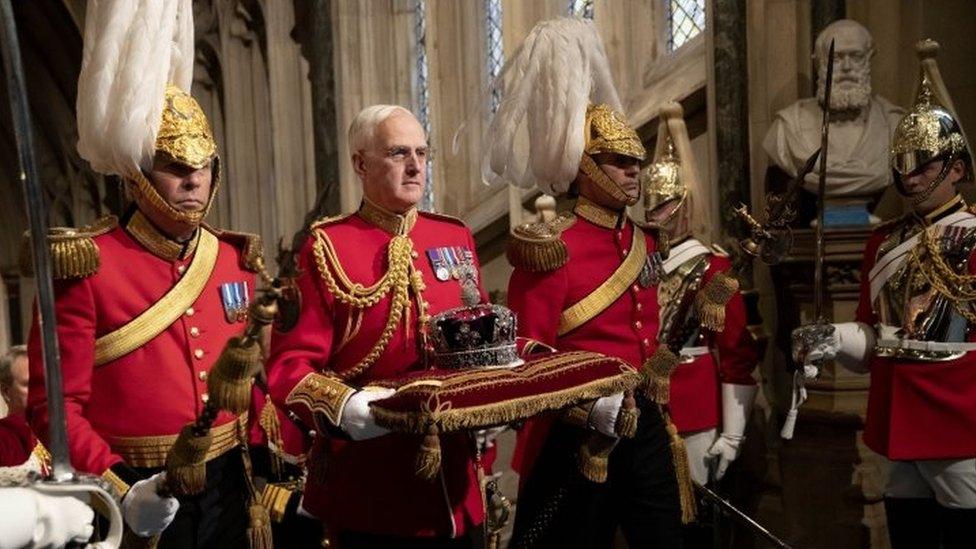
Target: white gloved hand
{"points": [[146, 513], [814, 344], [486, 437], [737, 403], [603, 415], [357, 419], [33, 519]]}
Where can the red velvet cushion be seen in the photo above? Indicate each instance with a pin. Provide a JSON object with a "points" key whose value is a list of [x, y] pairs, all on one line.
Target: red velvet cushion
{"points": [[454, 400]]}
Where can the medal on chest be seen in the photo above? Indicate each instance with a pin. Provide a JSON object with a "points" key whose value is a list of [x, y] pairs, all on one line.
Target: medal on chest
{"points": [[450, 262], [233, 296]]}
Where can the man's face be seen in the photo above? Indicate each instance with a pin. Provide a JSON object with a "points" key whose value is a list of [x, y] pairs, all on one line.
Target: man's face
{"points": [[622, 170], [852, 71], [16, 394], [918, 181], [393, 168], [184, 188]]}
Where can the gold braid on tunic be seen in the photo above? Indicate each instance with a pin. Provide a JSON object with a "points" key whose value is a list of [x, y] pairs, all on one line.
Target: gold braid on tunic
{"points": [[398, 279], [932, 267]]}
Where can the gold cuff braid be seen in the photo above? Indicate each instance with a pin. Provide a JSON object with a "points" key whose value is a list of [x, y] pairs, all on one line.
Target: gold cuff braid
{"points": [[322, 394]]}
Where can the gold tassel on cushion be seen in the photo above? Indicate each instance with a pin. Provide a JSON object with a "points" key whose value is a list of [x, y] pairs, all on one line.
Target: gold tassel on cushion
{"points": [[594, 456], [186, 463], [259, 528], [429, 455], [712, 299], [657, 371], [626, 426], [682, 471], [231, 378]]}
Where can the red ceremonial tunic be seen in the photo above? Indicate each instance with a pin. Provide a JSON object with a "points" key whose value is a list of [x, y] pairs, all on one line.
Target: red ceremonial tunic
{"points": [[917, 410], [17, 441], [627, 328], [696, 397], [131, 409], [372, 486]]}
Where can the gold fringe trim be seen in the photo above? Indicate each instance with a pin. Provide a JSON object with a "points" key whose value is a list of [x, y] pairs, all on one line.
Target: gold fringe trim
{"points": [[259, 528], [657, 373], [429, 457], [74, 253], [460, 419], [682, 471], [712, 299], [628, 416], [271, 425], [594, 456], [230, 380], [538, 247], [186, 463]]}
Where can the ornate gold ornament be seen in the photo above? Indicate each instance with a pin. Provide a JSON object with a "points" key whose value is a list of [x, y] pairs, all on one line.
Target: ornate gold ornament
{"points": [[662, 182], [606, 132], [184, 133]]}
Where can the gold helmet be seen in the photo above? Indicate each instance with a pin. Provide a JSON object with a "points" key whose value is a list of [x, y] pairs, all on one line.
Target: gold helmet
{"points": [[607, 132], [931, 130], [184, 137], [662, 181]]}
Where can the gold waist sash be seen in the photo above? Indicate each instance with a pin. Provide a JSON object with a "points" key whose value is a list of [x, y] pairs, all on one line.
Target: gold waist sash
{"points": [[612, 288], [150, 451], [163, 313]]}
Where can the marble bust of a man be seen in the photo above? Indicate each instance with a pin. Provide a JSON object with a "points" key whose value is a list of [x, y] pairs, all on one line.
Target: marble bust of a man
{"points": [[861, 124]]}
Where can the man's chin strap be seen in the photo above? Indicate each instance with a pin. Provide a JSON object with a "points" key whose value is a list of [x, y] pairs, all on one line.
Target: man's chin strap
{"points": [[917, 198], [606, 185]]}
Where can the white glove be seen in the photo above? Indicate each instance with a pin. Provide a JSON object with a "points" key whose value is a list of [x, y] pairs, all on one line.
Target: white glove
{"points": [[486, 437], [146, 513], [32, 519], [357, 419], [603, 415], [736, 405]]}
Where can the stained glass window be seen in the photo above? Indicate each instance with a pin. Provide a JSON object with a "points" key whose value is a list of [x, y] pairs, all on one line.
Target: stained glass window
{"points": [[494, 48], [686, 19], [422, 94]]}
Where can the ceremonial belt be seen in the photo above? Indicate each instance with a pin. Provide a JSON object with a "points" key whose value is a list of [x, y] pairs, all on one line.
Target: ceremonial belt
{"points": [[694, 351], [893, 260], [612, 288], [151, 451], [689, 249], [164, 312], [888, 340]]}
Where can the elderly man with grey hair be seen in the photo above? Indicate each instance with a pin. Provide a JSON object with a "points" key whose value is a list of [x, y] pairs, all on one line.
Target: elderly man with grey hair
{"points": [[861, 123], [17, 442], [370, 282]]}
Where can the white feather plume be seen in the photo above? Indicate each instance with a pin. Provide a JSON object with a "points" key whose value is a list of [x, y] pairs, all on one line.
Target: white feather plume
{"points": [[132, 49], [535, 138]]}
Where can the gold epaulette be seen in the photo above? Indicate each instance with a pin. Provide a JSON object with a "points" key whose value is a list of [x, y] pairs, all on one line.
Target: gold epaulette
{"points": [[539, 247], [250, 245], [444, 217], [74, 253], [328, 220]]}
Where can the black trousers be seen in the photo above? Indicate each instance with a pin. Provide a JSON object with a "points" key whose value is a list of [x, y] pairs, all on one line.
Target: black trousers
{"points": [[558, 507], [473, 539], [921, 523], [217, 518]]}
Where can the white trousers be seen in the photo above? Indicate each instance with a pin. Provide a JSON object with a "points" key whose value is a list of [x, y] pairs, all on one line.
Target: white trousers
{"points": [[952, 482], [697, 443]]}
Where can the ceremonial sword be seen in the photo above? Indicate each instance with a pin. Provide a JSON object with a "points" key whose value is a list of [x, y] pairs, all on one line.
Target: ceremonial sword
{"points": [[62, 480], [733, 511]]}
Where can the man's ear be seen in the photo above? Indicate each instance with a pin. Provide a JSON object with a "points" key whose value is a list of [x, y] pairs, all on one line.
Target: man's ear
{"points": [[359, 164]]}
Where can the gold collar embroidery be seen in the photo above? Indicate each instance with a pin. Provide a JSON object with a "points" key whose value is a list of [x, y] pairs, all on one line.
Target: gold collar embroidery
{"points": [[596, 214], [156, 242], [954, 204], [390, 222]]}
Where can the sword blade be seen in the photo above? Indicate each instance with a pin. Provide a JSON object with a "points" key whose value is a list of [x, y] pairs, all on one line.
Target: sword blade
{"points": [[36, 213], [818, 282], [743, 518]]}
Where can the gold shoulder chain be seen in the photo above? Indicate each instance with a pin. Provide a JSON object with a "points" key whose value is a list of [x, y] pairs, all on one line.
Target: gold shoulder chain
{"points": [[397, 280], [959, 289]]}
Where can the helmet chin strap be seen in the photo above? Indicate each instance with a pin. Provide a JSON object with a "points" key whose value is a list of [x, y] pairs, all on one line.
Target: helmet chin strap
{"points": [[922, 196], [604, 184]]}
